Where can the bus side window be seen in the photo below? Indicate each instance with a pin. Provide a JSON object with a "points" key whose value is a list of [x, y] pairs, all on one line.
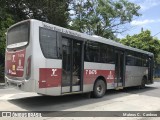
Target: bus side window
{"points": [[87, 54], [48, 43], [92, 53], [144, 61], [130, 59], [106, 54], [103, 53], [110, 54]]}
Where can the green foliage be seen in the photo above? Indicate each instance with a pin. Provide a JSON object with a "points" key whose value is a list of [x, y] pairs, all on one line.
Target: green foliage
{"points": [[12, 11], [144, 41], [5, 21], [2, 73], [158, 59], [52, 11], [102, 17]]}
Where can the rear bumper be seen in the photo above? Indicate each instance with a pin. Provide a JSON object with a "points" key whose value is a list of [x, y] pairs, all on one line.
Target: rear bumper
{"points": [[18, 82], [24, 85]]}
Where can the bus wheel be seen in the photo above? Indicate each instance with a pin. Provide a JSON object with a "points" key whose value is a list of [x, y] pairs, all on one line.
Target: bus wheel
{"points": [[99, 89], [143, 83]]}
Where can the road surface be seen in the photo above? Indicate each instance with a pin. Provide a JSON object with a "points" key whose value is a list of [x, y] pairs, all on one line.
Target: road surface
{"points": [[130, 99]]}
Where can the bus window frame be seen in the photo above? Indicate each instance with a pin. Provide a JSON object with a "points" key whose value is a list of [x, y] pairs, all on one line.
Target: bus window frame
{"points": [[57, 45], [134, 55], [29, 37], [111, 47]]}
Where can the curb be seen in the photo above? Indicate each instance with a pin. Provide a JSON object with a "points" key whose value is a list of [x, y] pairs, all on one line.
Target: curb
{"points": [[2, 84]]}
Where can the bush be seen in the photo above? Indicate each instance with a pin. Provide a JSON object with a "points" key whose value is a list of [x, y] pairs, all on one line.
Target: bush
{"points": [[2, 73]]}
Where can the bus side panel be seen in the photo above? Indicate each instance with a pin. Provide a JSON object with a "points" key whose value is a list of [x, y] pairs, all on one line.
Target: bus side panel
{"points": [[46, 82], [54, 77], [93, 70], [30, 83], [37, 58], [134, 75]]}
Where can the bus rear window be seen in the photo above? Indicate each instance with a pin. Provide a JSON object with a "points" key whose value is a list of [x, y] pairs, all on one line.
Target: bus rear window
{"points": [[18, 35], [48, 43]]}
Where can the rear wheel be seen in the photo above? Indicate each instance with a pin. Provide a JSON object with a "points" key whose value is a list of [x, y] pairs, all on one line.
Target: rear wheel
{"points": [[99, 89], [143, 82]]}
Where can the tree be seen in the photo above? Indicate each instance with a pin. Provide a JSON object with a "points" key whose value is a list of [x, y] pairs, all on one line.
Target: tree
{"points": [[102, 17], [144, 41], [52, 11], [5, 21], [12, 11]]}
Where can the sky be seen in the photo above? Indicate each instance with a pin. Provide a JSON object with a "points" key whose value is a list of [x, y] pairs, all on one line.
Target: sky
{"points": [[150, 18]]}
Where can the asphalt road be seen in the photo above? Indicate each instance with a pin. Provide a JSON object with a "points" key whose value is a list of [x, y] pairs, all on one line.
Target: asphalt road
{"points": [[129, 99]]}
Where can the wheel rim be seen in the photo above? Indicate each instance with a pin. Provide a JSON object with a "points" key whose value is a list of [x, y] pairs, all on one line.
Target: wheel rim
{"points": [[99, 89]]}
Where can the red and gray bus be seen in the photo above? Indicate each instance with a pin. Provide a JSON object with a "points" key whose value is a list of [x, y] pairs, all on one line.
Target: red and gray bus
{"points": [[52, 60]]}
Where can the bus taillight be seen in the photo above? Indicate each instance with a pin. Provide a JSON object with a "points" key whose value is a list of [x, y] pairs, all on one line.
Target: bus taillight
{"points": [[28, 68]]}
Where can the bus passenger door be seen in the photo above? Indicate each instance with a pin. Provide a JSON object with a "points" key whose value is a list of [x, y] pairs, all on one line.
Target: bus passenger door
{"points": [[71, 65], [119, 69]]}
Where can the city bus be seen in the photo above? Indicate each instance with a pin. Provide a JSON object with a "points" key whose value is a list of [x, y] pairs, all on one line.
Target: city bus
{"points": [[52, 60]]}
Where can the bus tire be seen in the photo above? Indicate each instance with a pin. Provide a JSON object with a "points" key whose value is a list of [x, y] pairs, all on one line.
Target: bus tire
{"points": [[99, 89], [143, 83]]}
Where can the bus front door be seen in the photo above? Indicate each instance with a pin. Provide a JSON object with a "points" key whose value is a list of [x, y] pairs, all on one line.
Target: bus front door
{"points": [[71, 65], [119, 69]]}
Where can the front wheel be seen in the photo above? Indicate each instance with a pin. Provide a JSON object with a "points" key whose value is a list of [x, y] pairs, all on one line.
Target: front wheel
{"points": [[99, 89]]}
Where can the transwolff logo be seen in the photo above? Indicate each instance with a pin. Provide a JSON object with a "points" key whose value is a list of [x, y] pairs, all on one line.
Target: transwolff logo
{"points": [[54, 72], [13, 58]]}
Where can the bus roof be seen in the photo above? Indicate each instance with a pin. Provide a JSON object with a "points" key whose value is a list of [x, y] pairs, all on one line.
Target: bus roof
{"points": [[86, 37]]}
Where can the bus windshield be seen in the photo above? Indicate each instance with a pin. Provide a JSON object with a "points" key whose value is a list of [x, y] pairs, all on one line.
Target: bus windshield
{"points": [[18, 35]]}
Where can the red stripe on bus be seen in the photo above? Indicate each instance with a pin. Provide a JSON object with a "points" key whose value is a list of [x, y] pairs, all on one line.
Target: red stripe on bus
{"points": [[49, 77], [90, 75]]}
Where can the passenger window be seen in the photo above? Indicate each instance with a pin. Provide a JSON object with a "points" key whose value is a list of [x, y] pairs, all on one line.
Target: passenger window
{"points": [[92, 52], [48, 43]]}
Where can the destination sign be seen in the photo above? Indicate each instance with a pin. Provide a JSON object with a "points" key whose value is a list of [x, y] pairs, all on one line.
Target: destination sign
{"points": [[61, 30]]}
